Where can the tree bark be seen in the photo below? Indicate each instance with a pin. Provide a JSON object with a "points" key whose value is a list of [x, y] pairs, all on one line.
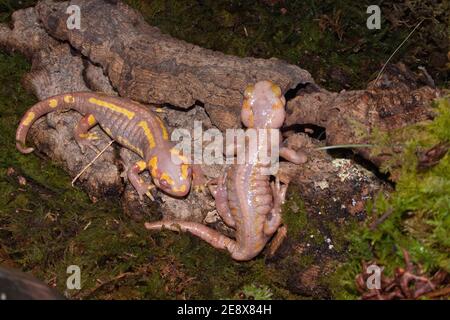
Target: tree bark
{"points": [[148, 66], [351, 117]]}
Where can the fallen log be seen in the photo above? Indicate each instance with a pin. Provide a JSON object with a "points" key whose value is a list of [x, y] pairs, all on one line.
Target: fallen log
{"points": [[148, 66], [352, 117]]}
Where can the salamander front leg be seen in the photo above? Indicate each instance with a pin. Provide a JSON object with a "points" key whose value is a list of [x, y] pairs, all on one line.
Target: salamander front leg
{"points": [[297, 157], [279, 195], [82, 136], [199, 181], [137, 182]]}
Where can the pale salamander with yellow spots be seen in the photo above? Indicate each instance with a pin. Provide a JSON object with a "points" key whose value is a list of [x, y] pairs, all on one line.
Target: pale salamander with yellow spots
{"points": [[245, 198], [130, 124]]}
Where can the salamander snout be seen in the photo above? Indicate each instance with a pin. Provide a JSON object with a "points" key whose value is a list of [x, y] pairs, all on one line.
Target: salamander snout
{"points": [[171, 173], [180, 189]]}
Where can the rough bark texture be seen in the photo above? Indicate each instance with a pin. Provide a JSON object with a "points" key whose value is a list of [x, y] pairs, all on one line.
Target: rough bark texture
{"points": [[350, 117], [54, 134], [118, 53], [149, 66], [57, 68]]}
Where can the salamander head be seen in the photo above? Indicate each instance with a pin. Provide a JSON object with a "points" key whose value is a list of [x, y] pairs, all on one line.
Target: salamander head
{"points": [[263, 106], [171, 173]]}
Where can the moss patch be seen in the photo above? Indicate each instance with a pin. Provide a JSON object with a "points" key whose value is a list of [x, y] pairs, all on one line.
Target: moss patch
{"points": [[318, 245], [418, 211]]}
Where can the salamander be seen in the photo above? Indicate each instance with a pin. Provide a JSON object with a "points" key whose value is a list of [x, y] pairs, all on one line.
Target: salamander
{"points": [[245, 198], [130, 124]]}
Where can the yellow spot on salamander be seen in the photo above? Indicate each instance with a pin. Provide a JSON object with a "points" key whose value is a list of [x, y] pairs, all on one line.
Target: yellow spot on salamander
{"points": [[165, 134], [176, 152], [91, 120], [69, 99], [277, 105], [249, 91], [142, 165], [53, 103], [29, 118], [151, 140], [182, 188], [129, 114], [153, 165], [246, 104], [166, 177], [184, 171], [108, 131], [89, 136], [276, 90]]}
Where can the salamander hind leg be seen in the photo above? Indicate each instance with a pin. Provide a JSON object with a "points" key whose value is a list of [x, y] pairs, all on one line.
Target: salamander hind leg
{"points": [[279, 195], [82, 136]]}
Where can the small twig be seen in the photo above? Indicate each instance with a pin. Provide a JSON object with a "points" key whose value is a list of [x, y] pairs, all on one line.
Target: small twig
{"points": [[90, 163], [87, 225], [380, 220], [140, 272], [339, 146], [121, 276], [438, 293], [398, 48], [429, 79]]}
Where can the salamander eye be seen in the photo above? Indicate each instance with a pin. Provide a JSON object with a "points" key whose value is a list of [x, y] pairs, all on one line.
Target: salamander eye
{"points": [[164, 184], [276, 90], [248, 91]]}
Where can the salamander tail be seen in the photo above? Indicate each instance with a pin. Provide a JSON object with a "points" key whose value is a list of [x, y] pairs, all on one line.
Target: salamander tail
{"points": [[35, 112], [214, 238]]}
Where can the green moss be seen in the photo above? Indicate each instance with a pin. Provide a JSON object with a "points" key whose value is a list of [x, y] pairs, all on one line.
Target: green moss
{"points": [[7, 7], [322, 241], [419, 221], [294, 214], [257, 292]]}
